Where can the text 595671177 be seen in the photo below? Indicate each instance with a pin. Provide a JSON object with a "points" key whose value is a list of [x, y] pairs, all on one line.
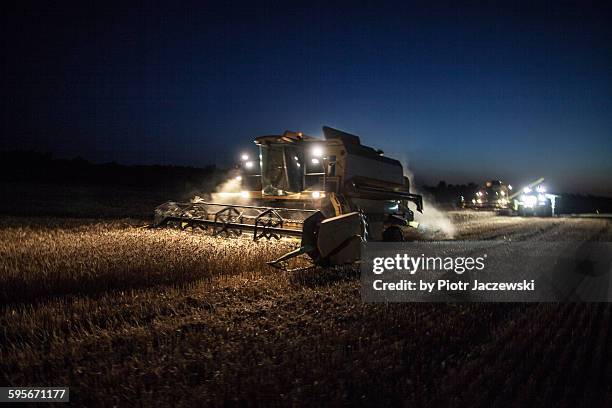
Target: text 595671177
{"points": [[34, 394]]}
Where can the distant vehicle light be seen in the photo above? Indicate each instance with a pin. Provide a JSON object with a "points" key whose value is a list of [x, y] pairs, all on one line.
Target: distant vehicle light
{"points": [[298, 164], [244, 194], [317, 151], [473, 201], [530, 201], [244, 157], [316, 194], [503, 193], [315, 161], [509, 187], [249, 165], [479, 201], [280, 192], [238, 178], [526, 190]]}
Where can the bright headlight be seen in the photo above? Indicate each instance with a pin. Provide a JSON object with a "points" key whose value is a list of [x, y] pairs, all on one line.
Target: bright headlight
{"points": [[244, 194], [317, 151], [530, 200], [316, 194], [249, 165], [244, 157]]}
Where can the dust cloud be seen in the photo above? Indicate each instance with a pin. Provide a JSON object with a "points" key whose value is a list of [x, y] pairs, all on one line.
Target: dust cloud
{"points": [[433, 222], [229, 192]]}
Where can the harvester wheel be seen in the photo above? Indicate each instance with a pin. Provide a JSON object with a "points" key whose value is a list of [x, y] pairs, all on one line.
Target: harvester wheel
{"points": [[393, 234]]}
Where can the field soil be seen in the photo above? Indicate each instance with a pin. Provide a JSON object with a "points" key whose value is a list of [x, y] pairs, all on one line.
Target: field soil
{"points": [[127, 315]]}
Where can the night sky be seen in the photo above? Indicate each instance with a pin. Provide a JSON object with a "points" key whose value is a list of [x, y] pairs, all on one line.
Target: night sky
{"points": [[460, 93]]}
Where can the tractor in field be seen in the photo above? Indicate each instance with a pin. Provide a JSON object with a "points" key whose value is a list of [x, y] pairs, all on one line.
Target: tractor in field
{"points": [[333, 193]]}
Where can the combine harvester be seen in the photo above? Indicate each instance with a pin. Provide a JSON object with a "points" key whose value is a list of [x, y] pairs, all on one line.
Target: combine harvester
{"points": [[530, 200], [494, 195], [534, 200], [333, 193]]}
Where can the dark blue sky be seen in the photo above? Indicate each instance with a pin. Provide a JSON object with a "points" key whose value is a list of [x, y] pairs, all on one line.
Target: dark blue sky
{"points": [[461, 93]]}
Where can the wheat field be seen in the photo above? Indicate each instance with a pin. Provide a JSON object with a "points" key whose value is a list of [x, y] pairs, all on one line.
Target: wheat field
{"points": [[130, 315]]}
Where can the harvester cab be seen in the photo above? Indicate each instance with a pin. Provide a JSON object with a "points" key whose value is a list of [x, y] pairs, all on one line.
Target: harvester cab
{"points": [[333, 192]]}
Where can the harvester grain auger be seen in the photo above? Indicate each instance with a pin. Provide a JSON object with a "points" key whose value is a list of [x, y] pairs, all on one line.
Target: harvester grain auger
{"points": [[333, 193]]}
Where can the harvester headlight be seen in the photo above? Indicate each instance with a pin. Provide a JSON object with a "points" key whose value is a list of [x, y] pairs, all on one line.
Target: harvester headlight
{"points": [[244, 194], [509, 187], [315, 161], [244, 157], [530, 201], [316, 194], [238, 178], [317, 151], [249, 165], [526, 190], [479, 194], [479, 201], [503, 193], [473, 201]]}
